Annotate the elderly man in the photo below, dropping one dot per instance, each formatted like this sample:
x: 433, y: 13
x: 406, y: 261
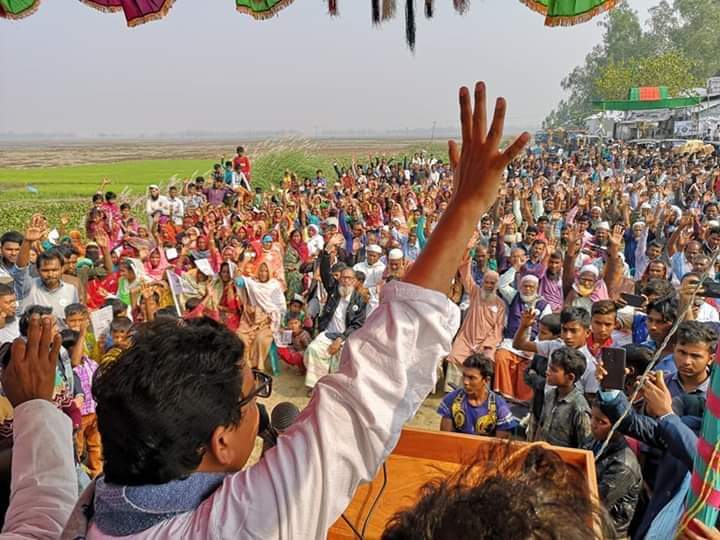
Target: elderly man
x: 373, y: 268
x: 482, y: 329
x: 510, y: 363
x: 343, y: 313
x: 156, y: 202
x: 396, y: 265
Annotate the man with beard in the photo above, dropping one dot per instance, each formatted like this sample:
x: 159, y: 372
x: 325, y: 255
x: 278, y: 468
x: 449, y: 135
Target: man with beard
x: 373, y: 269
x: 482, y: 329
x: 49, y: 289
x: 9, y: 328
x: 156, y: 202
x: 510, y: 363
x: 551, y: 282
x: 344, y: 312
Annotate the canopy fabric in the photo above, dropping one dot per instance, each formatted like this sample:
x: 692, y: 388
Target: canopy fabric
x: 261, y: 9
x: 136, y: 11
x: 569, y: 12
x: 17, y: 9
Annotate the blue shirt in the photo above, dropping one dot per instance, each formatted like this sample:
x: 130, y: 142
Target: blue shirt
x: 666, y: 363
x: 503, y: 421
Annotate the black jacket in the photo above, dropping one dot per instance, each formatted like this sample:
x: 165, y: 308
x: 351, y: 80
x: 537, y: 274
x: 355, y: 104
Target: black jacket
x: 355, y: 315
x: 619, y: 482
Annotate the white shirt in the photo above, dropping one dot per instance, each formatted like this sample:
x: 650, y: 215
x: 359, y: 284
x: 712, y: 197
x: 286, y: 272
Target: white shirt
x: 44, y: 482
x: 373, y: 274
x: 9, y: 332
x: 57, y: 299
x: 176, y: 209
x: 707, y: 313
x: 161, y: 203
x: 351, y: 425
x: 337, y: 323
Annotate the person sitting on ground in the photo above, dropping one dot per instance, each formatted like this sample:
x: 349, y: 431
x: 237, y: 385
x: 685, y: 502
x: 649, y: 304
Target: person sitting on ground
x: 475, y: 409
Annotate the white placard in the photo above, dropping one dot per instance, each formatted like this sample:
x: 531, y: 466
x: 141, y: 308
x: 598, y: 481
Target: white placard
x: 204, y: 266
x: 100, y: 320
x: 171, y: 254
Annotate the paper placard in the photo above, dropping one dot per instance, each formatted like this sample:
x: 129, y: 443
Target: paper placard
x: 100, y: 320
x: 171, y: 254
x: 204, y: 266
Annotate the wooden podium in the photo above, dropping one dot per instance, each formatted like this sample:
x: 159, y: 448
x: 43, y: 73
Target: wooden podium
x: 419, y: 457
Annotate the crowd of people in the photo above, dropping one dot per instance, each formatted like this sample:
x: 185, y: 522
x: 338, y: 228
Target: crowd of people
x: 606, y: 247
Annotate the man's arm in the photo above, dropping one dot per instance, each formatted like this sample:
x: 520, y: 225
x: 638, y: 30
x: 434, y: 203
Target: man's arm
x: 328, y: 281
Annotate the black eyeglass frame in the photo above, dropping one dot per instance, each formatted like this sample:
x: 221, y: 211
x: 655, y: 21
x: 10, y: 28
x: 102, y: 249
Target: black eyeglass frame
x: 263, y: 387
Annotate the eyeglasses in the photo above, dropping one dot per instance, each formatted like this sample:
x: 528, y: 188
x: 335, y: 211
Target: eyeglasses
x: 263, y: 388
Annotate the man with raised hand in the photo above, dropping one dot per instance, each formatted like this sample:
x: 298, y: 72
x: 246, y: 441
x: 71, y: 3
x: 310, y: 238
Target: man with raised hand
x: 174, y: 459
x: 43, y: 488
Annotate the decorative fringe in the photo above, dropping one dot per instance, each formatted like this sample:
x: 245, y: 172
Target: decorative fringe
x: 376, y: 11
x: 388, y: 9
x: 21, y: 15
x: 410, y: 23
x: 429, y: 9
x: 332, y: 8
x: 462, y: 6
x: 102, y: 7
x: 551, y: 20
x: 267, y: 14
x: 152, y: 16
x: 581, y: 18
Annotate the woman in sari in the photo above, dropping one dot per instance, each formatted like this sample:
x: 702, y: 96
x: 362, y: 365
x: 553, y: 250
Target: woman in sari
x: 264, y: 309
x: 230, y: 306
x: 296, y: 254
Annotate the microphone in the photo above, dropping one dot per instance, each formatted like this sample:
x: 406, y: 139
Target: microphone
x: 282, y: 417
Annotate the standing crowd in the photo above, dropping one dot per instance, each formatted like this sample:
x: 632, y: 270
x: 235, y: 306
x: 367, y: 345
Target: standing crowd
x: 605, y: 247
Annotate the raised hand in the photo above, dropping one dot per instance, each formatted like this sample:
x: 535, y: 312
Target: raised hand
x: 528, y: 317
x: 31, y: 371
x: 37, y: 229
x: 479, y: 165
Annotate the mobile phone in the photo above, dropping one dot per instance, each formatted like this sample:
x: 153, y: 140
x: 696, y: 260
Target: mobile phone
x: 5, y: 354
x: 633, y: 300
x: 614, y: 361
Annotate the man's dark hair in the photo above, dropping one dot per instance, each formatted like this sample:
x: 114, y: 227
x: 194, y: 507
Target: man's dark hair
x: 667, y: 307
x: 160, y: 402
x: 603, y: 307
x: 714, y: 230
x: 24, y: 321
x: 570, y: 361
x: 531, y: 229
x: 573, y: 314
x: 654, y: 244
x: 120, y: 324
x: 168, y: 312
x: 118, y: 306
x: 75, y: 309
x: 125, y: 205
x: 50, y: 255
x: 11, y: 236
x: 192, y: 303
x: 552, y: 323
x: 696, y: 333
x: 658, y: 287
x: 638, y: 358
x: 504, y: 494
x: 480, y: 362
x: 110, y: 195
x: 97, y: 197
x: 6, y: 289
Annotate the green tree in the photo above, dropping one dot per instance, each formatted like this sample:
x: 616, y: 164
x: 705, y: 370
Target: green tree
x: 672, y: 69
x: 680, y: 45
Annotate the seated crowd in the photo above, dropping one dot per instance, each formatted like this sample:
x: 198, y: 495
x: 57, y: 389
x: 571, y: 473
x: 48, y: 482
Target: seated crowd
x: 607, y: 247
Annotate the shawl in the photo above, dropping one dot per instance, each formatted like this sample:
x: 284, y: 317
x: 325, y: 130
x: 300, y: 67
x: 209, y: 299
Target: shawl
x: 270, y: 298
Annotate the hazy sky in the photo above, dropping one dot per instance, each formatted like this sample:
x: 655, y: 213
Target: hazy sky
x: 70, y: 68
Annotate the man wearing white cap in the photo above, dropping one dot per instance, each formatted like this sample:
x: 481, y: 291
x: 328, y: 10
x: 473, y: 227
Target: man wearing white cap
x: 510, y: 363
x: 156, y: 202
x: 396, y: 265
x: 373, y: 268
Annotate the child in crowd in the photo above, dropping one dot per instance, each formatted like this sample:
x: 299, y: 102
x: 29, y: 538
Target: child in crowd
x: 87, y: 436
x: 565, y: 419
x: 548, y: 330
x: 296, y: 308
x: 618, y: 472
x: 120, y: 334
x: 77, y: 318
x: 293, y: 353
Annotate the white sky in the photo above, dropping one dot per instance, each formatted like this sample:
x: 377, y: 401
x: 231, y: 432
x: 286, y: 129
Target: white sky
x: 70, y: 68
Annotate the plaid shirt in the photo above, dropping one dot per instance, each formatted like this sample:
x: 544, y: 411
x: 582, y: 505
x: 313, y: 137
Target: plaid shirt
x: 85, y: 372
